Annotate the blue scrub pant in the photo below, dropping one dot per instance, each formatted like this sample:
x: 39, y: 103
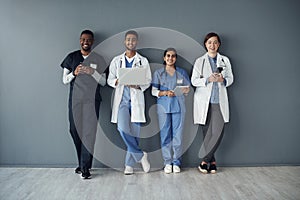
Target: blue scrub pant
x: 130, y: 133
x: 171, y: 128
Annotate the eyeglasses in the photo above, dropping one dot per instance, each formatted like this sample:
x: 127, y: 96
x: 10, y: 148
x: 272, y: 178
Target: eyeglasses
x: 171, y: 55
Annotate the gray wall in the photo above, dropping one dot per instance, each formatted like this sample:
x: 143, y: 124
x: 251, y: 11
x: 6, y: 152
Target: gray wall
x: 260, y: 37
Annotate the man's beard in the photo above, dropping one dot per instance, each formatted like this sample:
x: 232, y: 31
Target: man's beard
x: 86, y: 48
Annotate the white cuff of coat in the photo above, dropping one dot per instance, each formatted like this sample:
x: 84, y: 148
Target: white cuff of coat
x: 155, y: 91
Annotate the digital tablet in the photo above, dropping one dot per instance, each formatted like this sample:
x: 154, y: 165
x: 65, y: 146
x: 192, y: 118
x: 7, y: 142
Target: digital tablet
x: 178, y: 90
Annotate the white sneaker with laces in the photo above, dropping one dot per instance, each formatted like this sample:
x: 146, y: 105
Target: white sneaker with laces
x: 145, y: 163
x: 128, y: 170
x: 176, y: 169
x: 168, y: 169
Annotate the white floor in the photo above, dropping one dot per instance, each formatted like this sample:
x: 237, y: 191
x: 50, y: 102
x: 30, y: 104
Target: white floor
x: 229, y: 183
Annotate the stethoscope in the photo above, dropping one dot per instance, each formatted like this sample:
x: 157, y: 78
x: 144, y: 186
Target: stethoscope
x: 220, y: 68
x: 135, y: 65
x: 165, y: 74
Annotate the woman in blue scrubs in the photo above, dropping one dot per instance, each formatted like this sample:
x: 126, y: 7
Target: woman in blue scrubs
x: 170, y: 84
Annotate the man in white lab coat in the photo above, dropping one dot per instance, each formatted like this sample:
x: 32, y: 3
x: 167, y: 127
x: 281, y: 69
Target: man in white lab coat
x: 129, y: 104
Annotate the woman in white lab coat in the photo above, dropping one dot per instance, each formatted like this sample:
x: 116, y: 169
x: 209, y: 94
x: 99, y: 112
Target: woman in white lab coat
x: 129, y: 104
x: 212, y: 74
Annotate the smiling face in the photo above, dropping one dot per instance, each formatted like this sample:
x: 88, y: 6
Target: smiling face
x: 212, y: 45
x: 170, y: 58
x: 86, y: 42
x: 130, y: 42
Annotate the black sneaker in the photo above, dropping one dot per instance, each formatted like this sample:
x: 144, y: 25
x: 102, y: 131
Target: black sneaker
x: 86, y: 174
x: 212, y: 168
x: 78, y: 170
x: 203, y: 168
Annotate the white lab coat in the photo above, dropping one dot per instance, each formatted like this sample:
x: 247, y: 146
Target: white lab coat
x: 203, y: 90
x: 137, y: 95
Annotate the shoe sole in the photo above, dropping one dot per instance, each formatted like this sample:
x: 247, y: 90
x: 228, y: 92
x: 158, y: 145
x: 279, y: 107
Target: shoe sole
x: 128, y: 173
x: 213, y: 171
x: 168, y: 169
x: 146, y: 170
x: 77, y: 171
x: 86, y: 176
x: 202, y: 170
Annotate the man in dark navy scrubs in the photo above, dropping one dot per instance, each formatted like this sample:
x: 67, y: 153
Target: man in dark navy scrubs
x: 83, y: 70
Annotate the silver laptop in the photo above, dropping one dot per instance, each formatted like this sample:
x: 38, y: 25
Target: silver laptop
x: 132, y: 76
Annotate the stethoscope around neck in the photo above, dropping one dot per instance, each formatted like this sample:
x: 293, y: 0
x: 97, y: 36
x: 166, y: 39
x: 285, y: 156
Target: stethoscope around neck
x: 165, y: 74
x: 140, y: 62
x: 219, y: 68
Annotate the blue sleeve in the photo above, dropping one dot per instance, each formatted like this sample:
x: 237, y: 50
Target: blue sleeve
x: 225, y: 82
x: 155, y: 80
x: 186, y: 80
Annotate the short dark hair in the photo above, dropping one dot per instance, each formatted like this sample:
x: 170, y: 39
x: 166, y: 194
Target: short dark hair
x: 132, y: 32
x: 88, y: 32
x: 209, y: 35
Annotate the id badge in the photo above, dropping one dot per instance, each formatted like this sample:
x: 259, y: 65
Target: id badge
x: 94, y: 66
x: 179, y: 81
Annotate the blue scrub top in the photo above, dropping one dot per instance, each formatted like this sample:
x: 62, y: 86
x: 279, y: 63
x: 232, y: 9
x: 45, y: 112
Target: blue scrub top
x: 214, y: 97
x: 126, y: 92
x: 163, y: 81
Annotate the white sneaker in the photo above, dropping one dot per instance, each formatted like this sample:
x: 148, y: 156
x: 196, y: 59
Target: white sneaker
x: 128, y: 170
x: 176, y: 169
x: 168, y: 169
x: 145, y: 163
